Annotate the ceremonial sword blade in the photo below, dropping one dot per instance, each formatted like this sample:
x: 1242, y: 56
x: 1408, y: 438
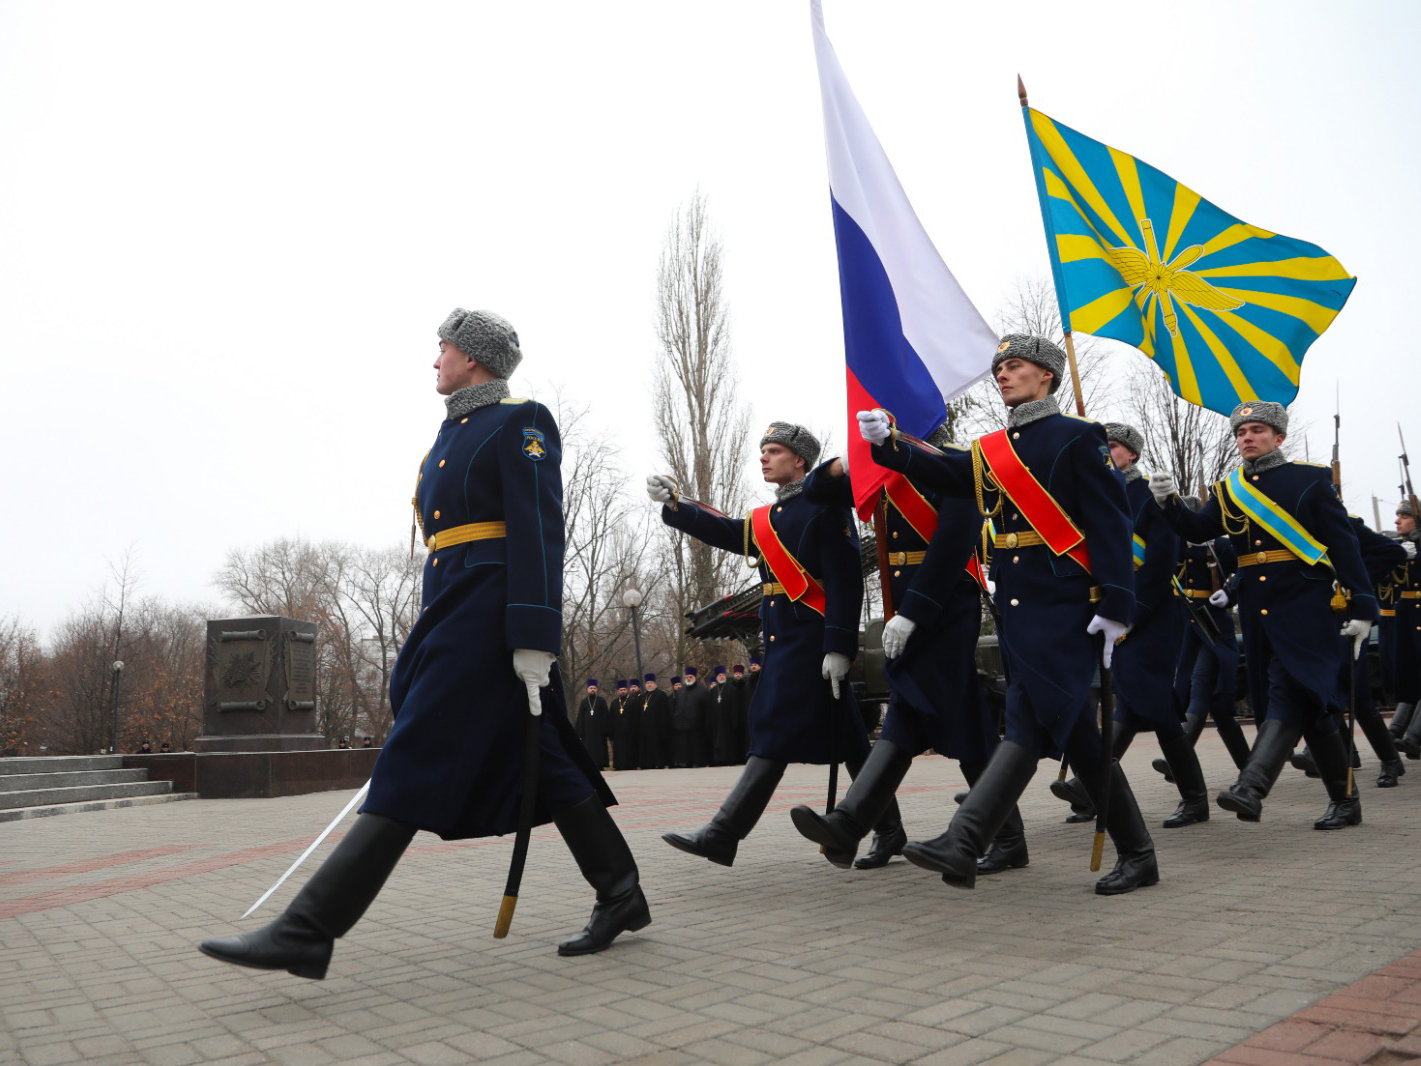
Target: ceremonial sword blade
x: 314, y: 844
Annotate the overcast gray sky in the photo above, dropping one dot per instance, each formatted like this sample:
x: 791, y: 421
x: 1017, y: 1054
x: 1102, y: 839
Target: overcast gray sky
x: 228, y: 232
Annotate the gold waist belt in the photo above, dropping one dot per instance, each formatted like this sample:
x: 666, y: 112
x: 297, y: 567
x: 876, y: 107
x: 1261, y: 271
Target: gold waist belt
x: 906, y: 558
x: 1388, y: 612
x: 1282, y: 555
x: 1029, y: 539
x: 1196, y: 594
x: 1411, y: 595
x: 774, y: 589
x: 447, y: 538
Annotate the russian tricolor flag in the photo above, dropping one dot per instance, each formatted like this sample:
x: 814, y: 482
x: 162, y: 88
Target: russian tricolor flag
x: 912, y: 338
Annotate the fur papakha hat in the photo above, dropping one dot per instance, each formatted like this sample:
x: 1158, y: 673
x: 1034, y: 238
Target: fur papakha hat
x: 1265, y: 411
x: 1126, y: 435
x: 796, y: 438
x: 486, y: 337
x: 1036, y: 350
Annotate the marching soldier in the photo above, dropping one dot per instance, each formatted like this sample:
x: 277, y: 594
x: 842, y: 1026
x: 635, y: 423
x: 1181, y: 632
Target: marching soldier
x: 655, y: 726
x: 1405, y: 649
x: 809, y: 613
x: 594, y: 725
x: 1143, y: 678
x: 489, y: 502
x: 1292, y: 537
x: 1208, y: 661
x: 935, y: 700
x: 1063, y: 574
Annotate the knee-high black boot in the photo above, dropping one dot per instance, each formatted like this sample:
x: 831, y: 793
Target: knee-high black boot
x: 986, y: 809
x: 606, y: 862
x: 1410, y: 742
x: 1400, y: 719
x: 1007, y: 851
x: 1245, y: 797
x: 1193, y: 730
x: 302, y: 939
x: 1075, y: 792
x: 1382, y: 742
x: 1135, y: 865
x: 1189, y: 777
x: 1231, y: 733
x: 868, y: 804
x: 718, y: 839
x: 1344, y: 807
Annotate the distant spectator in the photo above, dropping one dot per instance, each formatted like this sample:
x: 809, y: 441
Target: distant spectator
x: 145, y: 748
x: 164, y: 748
x: 343, y: 743
x: 368, y: 742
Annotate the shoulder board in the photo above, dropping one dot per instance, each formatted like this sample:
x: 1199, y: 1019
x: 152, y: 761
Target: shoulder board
x: 1317, y: 466
x: 1080, y: 418
x: 947, y: 446
x: 515, y: 400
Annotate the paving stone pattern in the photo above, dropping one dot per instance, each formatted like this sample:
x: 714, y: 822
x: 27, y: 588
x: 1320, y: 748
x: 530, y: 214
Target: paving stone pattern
x: 1263, y: 943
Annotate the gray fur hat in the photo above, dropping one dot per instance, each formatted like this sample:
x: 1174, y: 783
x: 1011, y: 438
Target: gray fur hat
x: 796, y: 438
x: 1126, y: 435
x: 486, y: 337
x: 1265, y: 411
x: 1405, y: 508
x: 1036, y: 350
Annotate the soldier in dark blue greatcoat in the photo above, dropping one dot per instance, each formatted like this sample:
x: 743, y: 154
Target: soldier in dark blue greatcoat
x: 1401, y: 648
x: 809, y: 614
x: 1293, y: 540
x: 1062, y: 567
x: 489, y: 502
x: 1144, y: 662
x: 935, y: 701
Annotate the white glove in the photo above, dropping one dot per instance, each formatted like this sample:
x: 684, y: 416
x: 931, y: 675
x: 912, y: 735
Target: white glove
x: 1114, y: 632
x: 836, y: 668
x: 1358, y: 629
x: 660, y: 488
x: 1407, y: 546
x: 1219, y: 599
x: 874, y: 425
x: 895, y: 635
x: 533, y: 666
x: 1162, y: 487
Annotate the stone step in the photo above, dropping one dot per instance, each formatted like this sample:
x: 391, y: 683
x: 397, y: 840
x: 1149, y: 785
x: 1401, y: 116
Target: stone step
x: 20, y: 813
x: 48, y: 797
x: 52, y: 764
x: 67, y: 779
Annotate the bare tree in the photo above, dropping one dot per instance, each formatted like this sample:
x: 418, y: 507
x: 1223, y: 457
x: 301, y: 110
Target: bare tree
x: 23, y: 688
x: 1192, y: 443
x: 703, y: 428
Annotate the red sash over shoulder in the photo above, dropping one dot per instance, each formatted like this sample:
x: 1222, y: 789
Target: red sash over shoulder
x: 1037, y: 505
x: 798, y: 583
x: 922, y: 516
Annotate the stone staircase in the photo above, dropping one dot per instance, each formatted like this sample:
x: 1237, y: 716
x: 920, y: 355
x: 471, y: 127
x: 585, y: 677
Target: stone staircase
x: 68, y: 784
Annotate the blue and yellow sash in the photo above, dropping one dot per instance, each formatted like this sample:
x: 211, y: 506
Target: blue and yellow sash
x: 1278, y: 522
x: 1139, y: 547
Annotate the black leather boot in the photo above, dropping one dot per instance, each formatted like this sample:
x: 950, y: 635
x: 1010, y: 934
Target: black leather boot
x: 1382, y: 742
x: 1231, y: 733
x: 1303, y: 760
x: 1007, y: 851
x: 1193, y: 730
x: 1410, y: 742
x: 986, y: 809
x: 301, y: 940
x: 868, y: 803
x: 1193, y: 796
x: 1345, y: 807
x: 1400, y: 719
x: 607, y: 864
x: 1135, y: 864
x: 1073, y: 792
x: 1271, y: 749
x: 718, y: 839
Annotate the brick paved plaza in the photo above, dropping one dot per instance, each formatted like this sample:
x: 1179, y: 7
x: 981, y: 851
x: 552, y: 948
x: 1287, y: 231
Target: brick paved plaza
x: 781, y: 959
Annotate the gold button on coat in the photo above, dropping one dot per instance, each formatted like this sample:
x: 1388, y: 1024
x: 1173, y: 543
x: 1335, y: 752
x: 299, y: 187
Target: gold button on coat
x: 1264, y: 611
x: 434, y: 561
x: 1015, y: 602
x: 441, y: 462
x: 436, y: 514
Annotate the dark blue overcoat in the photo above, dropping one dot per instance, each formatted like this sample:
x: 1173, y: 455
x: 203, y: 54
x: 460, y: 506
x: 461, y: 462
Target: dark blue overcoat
x: 453, y: 762
x: 1197, y: 574
x: 1285, y: 607
x: 792, y: 707
x: 935, y: 700
x: 1144, y: 661
x: 1045, y: 599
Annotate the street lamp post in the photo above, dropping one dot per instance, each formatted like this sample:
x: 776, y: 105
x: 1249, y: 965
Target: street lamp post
x: 632, y: 597
x: 117, y: 678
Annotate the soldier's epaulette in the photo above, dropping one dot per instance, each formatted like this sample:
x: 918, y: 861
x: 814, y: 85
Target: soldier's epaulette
x: 514, y: 399
x: 948, y: 446
x: 1080, y: 418
x: 1320, y: 466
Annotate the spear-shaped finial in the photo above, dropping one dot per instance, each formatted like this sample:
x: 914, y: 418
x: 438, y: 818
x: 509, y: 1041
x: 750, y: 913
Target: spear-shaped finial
x: 1021, y: 90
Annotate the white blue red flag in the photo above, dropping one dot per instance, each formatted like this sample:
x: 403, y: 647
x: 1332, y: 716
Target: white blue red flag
x: 912, y: 338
